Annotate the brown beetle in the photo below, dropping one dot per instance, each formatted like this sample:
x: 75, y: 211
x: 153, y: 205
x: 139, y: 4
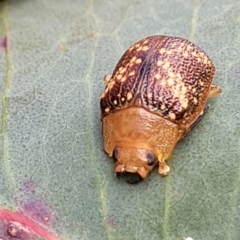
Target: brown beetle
x: 155, y: 96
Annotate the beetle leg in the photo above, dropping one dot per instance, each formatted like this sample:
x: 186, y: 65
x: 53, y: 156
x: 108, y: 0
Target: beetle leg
x: 183, y: 132
x: 198, y: 120
x: 107, y: 78
x: 163, y: 168
x: 214, y: 91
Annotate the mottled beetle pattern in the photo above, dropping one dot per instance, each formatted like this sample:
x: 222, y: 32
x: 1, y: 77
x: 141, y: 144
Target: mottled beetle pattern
x: 155, y: 96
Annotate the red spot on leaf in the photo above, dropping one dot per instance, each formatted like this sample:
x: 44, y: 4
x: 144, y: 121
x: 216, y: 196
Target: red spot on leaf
x: 111, y: 221
x: 4, y: 43
x: 17, y: 230
x: 20, y: 225
x: 29, y: 187
x: 238, y: 72
x: 39, y: 211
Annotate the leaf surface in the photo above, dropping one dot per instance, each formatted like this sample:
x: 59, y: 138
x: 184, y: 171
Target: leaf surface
x: 53, y: 57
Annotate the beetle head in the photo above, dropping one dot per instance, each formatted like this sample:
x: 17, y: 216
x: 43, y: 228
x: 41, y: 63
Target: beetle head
x: 134, y: 163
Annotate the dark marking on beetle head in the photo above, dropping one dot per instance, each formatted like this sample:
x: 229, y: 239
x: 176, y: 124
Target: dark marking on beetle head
x: 131, y: 178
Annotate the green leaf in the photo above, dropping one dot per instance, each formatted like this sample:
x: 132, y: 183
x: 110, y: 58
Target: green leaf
x: 53, y: 57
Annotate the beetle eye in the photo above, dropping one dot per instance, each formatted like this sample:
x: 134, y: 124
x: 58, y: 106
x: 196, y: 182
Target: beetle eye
x: 115, y: 153
x: 151, y: 158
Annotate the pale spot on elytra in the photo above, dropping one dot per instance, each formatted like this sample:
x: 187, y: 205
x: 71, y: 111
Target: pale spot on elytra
x: 163, y: 106
x: 157, y: 76
x: 110, y: 85
x: 189, y: 48
x: 159, y: 63
x: 195, y: 101
x: 123, y: 79
x: 184, y: 89
x: 149, y: 95
x: 162, y: 50
x: 107, y: 110
x: 171, y: 74
x: 138, y: 61
x: 132, y: 73
x: 133, y: 59
x: 119, y: 77
x: 129, y: 96
x: 166, y: 65
x: 123, y: 70
x: 170, y: 82
x: 184, y: 103
x: 145, y: 48
x: 146, y: 41
x: 172, y: 116
x: 194, y: 53
x: 185, y: 54
x: 131, y: 48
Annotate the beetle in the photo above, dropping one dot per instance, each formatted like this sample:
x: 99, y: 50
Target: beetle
x: 155, y: 96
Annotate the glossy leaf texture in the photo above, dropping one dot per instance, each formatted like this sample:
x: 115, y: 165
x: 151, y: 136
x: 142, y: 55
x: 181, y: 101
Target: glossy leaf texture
x: 56, y: 182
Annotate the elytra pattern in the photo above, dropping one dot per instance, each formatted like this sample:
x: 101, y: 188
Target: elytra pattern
x: 165, y: 75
